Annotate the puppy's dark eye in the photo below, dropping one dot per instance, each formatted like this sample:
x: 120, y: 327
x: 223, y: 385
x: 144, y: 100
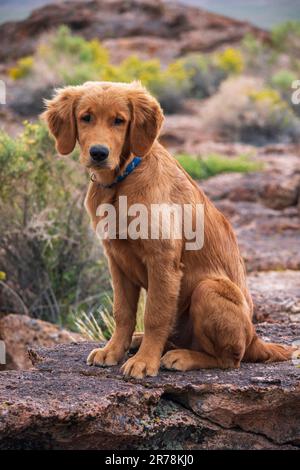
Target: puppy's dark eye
x: 118, y: 121
x: 86, y: 117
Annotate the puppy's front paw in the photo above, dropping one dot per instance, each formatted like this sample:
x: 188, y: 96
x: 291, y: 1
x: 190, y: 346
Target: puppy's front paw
x: 139, y: 367
x: 104, y: 357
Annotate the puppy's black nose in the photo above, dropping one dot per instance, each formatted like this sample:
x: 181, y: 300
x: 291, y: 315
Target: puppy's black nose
x: 99, y: 153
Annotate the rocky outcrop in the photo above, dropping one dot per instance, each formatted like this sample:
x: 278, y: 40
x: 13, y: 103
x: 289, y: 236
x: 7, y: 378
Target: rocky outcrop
x: 268, y: 239
x: 21, y: 332
x: 263, y: 208
x: 64, y: 404
x: 273, y: 189
x: 138, y: 21
x: 276, y: 295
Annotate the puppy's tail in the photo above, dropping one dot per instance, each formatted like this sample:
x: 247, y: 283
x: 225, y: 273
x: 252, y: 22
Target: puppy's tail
x: 260, y: 351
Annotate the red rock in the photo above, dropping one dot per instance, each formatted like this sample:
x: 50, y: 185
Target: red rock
x: 193, y: 28
x: 64, y: 404
x: 268, y: 239
x: 277, y: 191
x: 276, y: 295
x: 21, y: 332
x: 263, y: 208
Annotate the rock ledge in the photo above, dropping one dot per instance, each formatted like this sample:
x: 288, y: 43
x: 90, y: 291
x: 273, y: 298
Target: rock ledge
x: 63, y: 404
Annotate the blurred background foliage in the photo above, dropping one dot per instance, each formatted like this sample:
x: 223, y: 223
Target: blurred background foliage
x: 63, y: 58
x: 49, y: 256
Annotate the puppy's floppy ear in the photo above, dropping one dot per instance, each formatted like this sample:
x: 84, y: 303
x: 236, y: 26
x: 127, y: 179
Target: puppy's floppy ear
x: 147, y: 119
x: 60, y: 117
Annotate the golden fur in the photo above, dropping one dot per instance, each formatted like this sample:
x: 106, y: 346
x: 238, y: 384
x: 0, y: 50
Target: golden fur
x: 198, y: 310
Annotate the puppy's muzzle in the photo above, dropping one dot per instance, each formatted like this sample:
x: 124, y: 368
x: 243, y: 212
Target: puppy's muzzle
x: 99, y: 153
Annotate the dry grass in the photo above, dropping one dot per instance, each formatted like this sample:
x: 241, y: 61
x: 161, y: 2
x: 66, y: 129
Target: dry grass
x: 101, y: 325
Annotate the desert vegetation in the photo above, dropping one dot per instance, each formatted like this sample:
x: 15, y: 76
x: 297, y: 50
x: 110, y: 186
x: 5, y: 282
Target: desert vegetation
x: 47, y: 251
x: 263, y: 107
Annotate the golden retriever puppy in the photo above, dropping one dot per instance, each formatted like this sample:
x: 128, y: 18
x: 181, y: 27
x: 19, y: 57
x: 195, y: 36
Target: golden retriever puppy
x: 198, y: 311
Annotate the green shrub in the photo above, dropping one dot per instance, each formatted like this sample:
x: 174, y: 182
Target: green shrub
x: 22, y: 69
x: 91, y: 52
x: 230, y: 61
x: 286, y: 35
x: 251, y: 44
x: 191, y: 165
x: 267, y: 96
x: 26, y: 160
x: 214, y: 164
x: 259, y: 58
x: 283, y: 80
x: 275, y: 117
x: 245, y: 111
x: 46, y: 248
x: 205, y: 76
x: 206, y: 72
x: 170, y: 85
x: 72, y: 60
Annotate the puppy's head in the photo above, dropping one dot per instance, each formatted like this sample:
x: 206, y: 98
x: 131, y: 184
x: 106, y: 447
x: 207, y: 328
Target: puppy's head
x: 109, y: 120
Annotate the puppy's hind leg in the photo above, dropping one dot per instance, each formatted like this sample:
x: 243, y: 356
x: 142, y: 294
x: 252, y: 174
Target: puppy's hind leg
x: 221, y: 328
x: 186, y: 359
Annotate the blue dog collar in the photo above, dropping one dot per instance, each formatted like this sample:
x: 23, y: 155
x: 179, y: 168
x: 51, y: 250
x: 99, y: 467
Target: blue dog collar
x: 129, y: 169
